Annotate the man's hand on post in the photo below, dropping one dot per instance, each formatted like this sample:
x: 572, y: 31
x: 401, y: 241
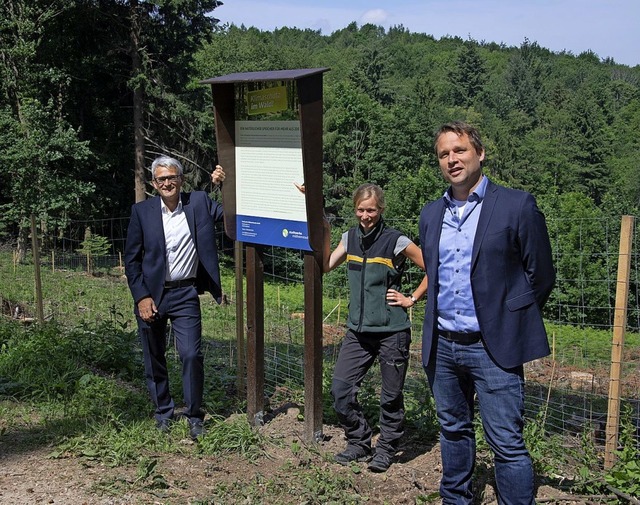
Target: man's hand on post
x: 218, y: 175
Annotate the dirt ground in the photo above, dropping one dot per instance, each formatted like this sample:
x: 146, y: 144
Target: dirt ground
x: 29, y: 476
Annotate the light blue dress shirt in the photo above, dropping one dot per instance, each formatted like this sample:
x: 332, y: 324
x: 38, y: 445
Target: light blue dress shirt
x: 456, y: 310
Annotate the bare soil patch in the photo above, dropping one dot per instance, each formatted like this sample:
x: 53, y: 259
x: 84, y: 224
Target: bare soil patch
x: 29, y: 476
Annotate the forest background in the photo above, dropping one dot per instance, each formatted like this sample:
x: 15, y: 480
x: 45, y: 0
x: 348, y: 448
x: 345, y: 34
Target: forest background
x: 92, y: 91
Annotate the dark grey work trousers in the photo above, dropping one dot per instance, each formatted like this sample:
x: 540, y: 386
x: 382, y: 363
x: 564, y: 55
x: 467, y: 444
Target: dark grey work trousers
x: 357, y: 354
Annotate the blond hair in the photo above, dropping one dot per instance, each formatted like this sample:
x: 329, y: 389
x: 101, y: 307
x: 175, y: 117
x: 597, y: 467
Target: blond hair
x: 366, y: 191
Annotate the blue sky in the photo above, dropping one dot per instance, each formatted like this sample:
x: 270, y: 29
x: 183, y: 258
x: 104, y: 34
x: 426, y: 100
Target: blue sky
x: 609, y: 28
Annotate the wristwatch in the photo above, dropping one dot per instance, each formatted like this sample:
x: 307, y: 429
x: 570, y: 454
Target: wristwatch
x: 414, y: 299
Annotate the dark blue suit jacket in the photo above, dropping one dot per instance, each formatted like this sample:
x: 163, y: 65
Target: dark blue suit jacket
x: 512, y: 275
x: 145, y: 251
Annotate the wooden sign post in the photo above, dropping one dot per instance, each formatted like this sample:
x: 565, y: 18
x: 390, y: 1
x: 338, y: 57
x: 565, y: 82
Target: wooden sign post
x: 269, y: 139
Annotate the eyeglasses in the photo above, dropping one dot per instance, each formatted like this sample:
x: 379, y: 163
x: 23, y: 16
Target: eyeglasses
x: 168, y: 178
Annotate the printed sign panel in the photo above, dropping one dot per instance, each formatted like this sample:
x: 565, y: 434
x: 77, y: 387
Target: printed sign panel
x: 270, y: 209
x: 267, y: 100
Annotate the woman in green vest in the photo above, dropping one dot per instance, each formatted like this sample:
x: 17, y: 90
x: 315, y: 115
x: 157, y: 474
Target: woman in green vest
x: 378, y: 327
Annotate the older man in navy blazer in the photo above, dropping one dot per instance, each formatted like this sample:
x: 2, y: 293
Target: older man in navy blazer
x: 488, y: 259
x: 171, y: 257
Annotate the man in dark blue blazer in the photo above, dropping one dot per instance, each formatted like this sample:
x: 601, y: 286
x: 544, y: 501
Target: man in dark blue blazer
x: 171, y: 257
x: 488, y: 260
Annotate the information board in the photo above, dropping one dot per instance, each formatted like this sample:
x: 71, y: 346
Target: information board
x: 270, y: 208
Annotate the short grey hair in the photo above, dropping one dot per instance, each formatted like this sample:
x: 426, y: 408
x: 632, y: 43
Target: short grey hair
x: 166, y: 162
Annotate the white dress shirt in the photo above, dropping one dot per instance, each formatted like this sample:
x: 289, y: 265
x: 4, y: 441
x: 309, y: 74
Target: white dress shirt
x: 182, y: 257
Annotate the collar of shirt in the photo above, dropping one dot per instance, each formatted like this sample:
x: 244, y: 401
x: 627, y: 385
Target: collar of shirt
x: 165, y: 209
x: 476, y: 196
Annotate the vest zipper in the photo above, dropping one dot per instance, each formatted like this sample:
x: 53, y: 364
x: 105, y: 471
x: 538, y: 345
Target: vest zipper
x: 362, y: 277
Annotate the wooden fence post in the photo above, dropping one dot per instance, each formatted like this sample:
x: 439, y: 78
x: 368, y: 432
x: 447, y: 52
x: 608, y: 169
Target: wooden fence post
x: 617, y: 345
x: 36, y: 268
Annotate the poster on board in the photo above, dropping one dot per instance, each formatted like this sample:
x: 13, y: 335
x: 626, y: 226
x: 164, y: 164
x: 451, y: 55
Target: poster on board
x: 270, y: 207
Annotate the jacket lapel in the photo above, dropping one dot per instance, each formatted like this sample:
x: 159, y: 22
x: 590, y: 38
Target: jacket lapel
x: 488, y: 205
x: 189, y: 212
x: 432, y: 236
x: 157, y: 228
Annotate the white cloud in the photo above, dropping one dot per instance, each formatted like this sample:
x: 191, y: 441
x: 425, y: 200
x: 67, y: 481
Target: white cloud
x: 375, y: 16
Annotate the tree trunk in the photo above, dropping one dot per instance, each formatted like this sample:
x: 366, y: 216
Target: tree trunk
x: 23, y: 237
x: 138, y: 99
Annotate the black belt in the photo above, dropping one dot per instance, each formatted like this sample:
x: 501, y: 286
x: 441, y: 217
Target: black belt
x: 461, y: 338
x: 182, y: 283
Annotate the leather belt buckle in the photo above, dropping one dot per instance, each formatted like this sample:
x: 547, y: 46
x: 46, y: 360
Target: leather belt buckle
x: 459, y: 337
x: 182, y: 283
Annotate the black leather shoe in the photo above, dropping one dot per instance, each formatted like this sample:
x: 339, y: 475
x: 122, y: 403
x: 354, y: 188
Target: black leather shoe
x: 164, y: 425
x: 380, y: 463
x: 352, y: 453
x: 196, y: 428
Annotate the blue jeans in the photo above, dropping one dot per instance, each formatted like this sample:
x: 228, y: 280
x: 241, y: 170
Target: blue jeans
x: 456, y: 373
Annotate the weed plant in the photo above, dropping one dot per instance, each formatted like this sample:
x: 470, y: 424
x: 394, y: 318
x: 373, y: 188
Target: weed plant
x: 547, y: 451
x: 47, y: 361
x: 625, y: 475
x: 116, y: 443
x: 232, y: 436
x: 308, y: 485
x: 146, y: 478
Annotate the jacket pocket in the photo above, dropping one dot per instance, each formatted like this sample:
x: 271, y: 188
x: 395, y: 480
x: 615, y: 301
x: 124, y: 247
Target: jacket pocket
x: 521, y: 301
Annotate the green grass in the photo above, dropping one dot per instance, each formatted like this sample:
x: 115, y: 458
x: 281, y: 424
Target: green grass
x: 309, y: 485
x: 586, y: 347
x: 232, y: 436
x: 76, y: 384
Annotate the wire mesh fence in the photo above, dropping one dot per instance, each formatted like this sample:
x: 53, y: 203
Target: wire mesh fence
x: 569, y: 388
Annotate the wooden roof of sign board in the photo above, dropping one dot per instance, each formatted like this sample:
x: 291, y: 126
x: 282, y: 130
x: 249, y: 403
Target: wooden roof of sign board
x: 269, y: 75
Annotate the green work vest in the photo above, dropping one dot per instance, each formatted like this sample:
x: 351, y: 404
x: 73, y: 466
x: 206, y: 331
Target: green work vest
x: 372, y: 269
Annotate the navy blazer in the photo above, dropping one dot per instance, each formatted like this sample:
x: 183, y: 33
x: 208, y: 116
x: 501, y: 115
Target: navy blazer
x: 145, y: 249
x: 512, y: 275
